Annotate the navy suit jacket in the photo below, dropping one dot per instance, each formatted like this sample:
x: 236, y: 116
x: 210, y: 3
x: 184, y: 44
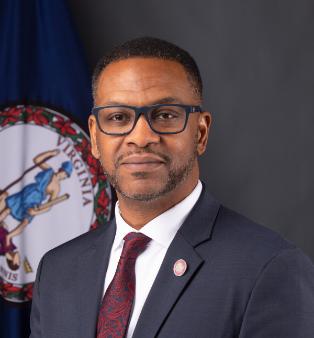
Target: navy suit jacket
x: 243, y: 280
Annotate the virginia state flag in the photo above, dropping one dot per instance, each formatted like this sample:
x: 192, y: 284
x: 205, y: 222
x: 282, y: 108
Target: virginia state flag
x: 51, y: 188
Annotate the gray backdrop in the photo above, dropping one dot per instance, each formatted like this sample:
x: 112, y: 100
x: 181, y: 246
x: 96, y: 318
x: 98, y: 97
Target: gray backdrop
x: 256, y: 58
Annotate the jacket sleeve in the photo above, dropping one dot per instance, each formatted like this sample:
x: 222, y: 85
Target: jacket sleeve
x: 35, y: 312
x: 281, y: 304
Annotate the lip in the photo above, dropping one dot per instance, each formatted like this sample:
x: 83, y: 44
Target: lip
x: 138, y: 160
x: 142, y: 163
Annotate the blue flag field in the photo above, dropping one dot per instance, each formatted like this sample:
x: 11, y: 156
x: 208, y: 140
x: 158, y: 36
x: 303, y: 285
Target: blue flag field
x: 51, y: 188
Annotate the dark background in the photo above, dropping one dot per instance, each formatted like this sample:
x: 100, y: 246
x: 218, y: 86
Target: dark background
x: 256, y: 59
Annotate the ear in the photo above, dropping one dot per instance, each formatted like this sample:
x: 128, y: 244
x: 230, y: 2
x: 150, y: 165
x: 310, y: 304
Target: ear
x: 92, y: 125
x: 204, y: 123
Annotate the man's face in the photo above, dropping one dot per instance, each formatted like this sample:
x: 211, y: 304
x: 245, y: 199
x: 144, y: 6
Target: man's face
x: 144, y: 165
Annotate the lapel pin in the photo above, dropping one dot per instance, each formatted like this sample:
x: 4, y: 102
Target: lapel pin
x: 180, y: 267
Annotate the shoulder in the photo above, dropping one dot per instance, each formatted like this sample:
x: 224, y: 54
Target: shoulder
x: 66, y: 252
x: 233, y: 233
x: 246, y: 247
x: 245, y: 255
x: 237, y: 243
x: 44, y: 175
x: 237, y: 228
x: 45, y: 172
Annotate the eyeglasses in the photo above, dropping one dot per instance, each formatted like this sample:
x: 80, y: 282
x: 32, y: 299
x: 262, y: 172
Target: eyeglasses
x: 162, y: 118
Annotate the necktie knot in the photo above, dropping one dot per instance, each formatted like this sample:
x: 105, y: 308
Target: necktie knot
x: 134, y: 244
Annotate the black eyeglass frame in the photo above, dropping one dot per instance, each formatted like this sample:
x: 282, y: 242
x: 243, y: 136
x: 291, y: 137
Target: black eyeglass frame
x: 145, y: 110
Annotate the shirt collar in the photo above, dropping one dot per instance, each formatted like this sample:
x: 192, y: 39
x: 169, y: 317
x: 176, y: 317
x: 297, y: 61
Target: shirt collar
x: 162, y: 228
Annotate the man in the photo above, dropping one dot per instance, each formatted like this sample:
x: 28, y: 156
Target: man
x: 173, y: 262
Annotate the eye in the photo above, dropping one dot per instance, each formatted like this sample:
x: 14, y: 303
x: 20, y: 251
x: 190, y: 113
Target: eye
x: 164, y: 115
x: 119, y: 117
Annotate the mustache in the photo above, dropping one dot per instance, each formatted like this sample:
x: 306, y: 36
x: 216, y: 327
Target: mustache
x: 121, y: 157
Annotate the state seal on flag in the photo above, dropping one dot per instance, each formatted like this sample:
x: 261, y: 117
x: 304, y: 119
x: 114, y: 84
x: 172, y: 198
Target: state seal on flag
x: 51, y: 190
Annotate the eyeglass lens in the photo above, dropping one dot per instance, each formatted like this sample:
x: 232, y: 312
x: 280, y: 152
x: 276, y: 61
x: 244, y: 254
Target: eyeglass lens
x: 120, y: 120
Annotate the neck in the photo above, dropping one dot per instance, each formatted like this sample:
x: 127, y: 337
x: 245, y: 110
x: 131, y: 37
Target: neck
x: 138, y: 213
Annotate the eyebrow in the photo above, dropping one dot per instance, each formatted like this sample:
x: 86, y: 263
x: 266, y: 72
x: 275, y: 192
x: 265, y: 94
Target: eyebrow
x: 168, y: 99
x: 164, y: 100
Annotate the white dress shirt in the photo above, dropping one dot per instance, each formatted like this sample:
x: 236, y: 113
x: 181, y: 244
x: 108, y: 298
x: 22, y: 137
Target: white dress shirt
x: 161, y: 230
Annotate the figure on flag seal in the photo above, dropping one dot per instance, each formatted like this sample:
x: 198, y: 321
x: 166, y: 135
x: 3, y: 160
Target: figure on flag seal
x: 51, y: 190
x: 30, y: 202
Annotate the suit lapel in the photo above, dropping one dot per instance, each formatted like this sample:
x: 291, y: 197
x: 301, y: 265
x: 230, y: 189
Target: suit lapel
x: 93, y: 264
x: 167, y: 287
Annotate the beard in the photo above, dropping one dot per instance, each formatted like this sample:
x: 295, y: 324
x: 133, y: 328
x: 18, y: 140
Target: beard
x: 177, y: 174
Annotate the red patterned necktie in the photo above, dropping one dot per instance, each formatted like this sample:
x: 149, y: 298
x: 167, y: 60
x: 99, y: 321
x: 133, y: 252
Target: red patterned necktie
x: 117, y: 303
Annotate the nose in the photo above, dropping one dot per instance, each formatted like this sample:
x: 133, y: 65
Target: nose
x: 142, y: 135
